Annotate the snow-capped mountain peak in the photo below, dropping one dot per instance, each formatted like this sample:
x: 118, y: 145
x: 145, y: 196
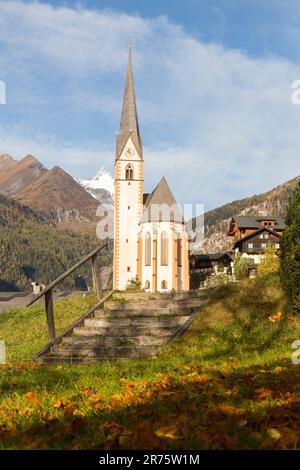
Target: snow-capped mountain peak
x: 101, y: 186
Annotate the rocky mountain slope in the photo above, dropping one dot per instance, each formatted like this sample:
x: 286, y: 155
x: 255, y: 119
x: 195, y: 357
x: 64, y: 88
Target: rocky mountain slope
x: 53, y: 191
x: 216, y: 221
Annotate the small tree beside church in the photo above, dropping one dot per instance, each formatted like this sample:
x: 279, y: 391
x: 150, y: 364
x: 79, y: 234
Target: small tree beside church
x: 290, y: 252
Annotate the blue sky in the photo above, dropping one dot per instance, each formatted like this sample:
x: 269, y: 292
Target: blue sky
x: 213, y: 83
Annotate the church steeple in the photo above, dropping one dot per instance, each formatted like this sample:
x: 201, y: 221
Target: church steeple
x: 129, y: 126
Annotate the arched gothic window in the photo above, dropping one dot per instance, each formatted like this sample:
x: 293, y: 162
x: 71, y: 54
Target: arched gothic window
x: 164, y: 249
x: 147, y: 285
x: 129, y: 172
x: 164, y: 284
x: 148, y: 249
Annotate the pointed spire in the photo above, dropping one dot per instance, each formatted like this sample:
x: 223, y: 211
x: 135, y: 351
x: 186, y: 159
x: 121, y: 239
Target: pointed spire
x: 129, y: 125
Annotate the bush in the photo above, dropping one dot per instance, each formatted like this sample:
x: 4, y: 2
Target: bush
x: 269, y: 262
x: 241, y: 266
x: 290, y: 252
x: 133, y: 285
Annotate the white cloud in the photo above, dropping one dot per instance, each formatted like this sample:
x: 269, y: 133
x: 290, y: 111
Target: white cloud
x: 217, y: 123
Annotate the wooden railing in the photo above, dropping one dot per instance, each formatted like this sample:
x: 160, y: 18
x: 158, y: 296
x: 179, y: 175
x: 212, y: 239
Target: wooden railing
x: 48, y: 291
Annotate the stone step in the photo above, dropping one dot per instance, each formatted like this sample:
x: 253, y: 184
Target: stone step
x: 154, y: 304
x: 163, y: 295
x: 125, y: 331
x: 145, y: 311
x: 46, y: 360
x: 136, y: 322
x: 120, y: 351
x: 113, y: 341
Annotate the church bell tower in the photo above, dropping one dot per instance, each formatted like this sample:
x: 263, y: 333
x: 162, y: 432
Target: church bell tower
x: 128, y: 187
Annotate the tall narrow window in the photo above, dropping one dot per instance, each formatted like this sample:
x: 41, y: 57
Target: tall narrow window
x: 148, y: 249
x: 164, y: 249
x: 129, y: 172
x: 179, y: 247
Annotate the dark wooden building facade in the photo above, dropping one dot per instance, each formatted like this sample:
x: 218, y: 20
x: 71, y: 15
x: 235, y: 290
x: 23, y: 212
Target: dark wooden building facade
x: 252, y: 235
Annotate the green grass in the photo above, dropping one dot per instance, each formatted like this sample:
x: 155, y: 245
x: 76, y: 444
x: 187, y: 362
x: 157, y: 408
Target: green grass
x: 227, y: 383
x: 24, y: 331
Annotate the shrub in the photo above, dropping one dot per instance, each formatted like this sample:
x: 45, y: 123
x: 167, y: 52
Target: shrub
x: 133, y: 285
x: 241, y: 266
x: 290, y: 252
x: 269, y: 262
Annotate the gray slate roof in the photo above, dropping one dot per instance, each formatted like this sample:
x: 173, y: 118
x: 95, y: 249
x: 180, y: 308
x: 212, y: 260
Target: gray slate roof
x: 255, y: 222
x: 129, y: 125
x: 161, y: 206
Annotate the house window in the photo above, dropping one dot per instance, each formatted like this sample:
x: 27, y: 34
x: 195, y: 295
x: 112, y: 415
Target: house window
x: 277, y: 246
x: 129, y: 172
x: 164, y: 284
x: 147, y: 285
x: 164, y: 249
x: 128, y: 269
x: 250, y: 245
x: 261, y: 235
x: 263, y: 245
x: 148, y: 249
x: 179, y: 243
x: 266, y: 235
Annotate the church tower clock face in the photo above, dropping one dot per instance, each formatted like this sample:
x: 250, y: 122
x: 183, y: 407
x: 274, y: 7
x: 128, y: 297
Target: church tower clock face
x: 130, y: 152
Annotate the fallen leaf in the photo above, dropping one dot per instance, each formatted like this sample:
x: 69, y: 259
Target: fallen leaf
x: 276, y: 317
x: 263, y: 392
x: 32, y: 397
x: 229, y: 409
x: 274, y: 434
x: 168, y: 432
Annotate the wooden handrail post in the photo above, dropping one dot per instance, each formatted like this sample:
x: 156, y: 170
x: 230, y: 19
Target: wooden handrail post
x: 96, y: 278
x: 50, y: 314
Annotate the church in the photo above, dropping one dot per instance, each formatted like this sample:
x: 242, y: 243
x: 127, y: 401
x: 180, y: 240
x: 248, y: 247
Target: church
x: 150, y: 239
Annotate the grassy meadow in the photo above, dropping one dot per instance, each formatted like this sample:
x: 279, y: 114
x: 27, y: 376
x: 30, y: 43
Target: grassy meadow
x: 227, y: 383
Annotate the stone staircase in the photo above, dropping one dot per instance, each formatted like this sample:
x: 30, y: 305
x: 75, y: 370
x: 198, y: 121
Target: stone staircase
x: 128, y: 326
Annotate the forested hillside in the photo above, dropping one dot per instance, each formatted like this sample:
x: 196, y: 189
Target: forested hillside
x: 33, y: 249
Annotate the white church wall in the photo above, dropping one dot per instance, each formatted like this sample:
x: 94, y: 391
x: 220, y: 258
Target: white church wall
x: 128, y: 210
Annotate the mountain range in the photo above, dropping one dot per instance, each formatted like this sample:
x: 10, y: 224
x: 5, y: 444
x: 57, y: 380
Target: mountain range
x: 53, y: 192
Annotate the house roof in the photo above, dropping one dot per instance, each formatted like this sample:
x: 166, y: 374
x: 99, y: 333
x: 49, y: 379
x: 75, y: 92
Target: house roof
x: 210, y: 257
x: 253, y: 234
x: 161, y: 206
x: 255, y: 221
x: 129, y: 126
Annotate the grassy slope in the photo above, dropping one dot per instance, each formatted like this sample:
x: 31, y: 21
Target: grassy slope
x: 227, y: 383
x: 24, y: 331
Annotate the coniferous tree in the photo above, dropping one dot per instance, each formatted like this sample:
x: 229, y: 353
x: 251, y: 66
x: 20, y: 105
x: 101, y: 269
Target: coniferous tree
x: 290, y: 252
